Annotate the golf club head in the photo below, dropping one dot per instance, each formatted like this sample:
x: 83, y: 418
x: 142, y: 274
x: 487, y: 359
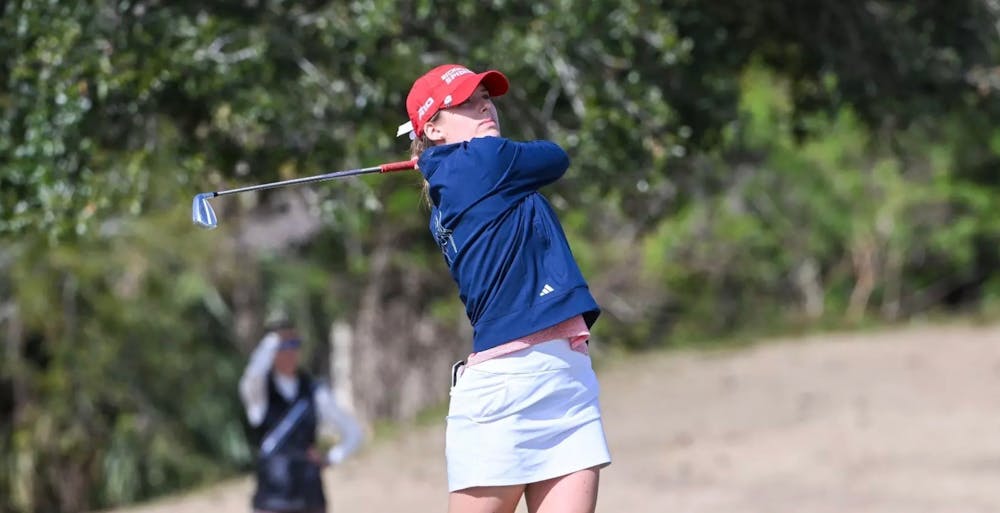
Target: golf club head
x: 202, y: 213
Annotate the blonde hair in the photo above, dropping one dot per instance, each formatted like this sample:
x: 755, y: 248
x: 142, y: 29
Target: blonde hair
x: 417, y: 147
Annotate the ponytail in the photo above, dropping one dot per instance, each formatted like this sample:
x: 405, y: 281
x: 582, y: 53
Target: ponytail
x: 417, y: 148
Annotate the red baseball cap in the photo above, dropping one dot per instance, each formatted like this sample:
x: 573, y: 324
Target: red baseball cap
x: 443, y: 87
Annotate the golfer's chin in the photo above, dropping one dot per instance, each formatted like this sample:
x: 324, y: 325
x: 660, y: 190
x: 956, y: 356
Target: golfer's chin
x: 488, y: 131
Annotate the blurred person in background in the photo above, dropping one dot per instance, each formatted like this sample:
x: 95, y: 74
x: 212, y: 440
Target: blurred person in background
x: 287, y: 410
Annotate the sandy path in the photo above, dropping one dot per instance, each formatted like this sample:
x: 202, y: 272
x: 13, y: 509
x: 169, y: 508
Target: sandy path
x: 904, y: 421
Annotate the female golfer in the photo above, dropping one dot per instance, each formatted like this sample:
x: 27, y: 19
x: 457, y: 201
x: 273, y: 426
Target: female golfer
x: 524, y: 417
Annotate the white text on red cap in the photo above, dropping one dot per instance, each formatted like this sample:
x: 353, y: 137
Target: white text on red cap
x: 454, y: 73
x: 423, y: 108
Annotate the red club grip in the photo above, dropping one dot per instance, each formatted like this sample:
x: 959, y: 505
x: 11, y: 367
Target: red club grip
x: 398, y: 166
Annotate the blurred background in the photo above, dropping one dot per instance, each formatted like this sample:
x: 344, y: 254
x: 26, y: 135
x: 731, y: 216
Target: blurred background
x: 739, y: 169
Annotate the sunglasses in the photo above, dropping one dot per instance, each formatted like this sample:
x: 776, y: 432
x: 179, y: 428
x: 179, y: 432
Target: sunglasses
x: 290, y: 344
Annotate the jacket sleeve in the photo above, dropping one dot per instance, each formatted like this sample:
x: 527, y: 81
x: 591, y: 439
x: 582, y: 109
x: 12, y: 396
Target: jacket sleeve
x: 332, y: 416
x: 253, y: 383
x: 532, y: 164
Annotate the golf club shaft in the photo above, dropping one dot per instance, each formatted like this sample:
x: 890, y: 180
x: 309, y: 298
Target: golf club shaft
x: 383, y: 168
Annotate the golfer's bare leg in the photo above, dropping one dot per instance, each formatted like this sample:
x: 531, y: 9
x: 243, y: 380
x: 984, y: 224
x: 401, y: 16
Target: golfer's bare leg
x: 485, y: 499
x: 572, y: 493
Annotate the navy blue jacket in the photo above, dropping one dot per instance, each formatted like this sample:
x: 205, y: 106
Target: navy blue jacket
x: 501, y: 239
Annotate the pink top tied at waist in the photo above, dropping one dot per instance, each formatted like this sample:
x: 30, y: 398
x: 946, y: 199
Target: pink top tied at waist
x: 573, y: 329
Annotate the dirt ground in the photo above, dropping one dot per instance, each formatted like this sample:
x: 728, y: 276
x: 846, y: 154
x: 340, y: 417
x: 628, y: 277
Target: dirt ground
x: 902, y: 421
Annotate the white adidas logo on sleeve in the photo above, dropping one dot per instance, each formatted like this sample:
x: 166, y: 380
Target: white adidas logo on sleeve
x: 546, y: 289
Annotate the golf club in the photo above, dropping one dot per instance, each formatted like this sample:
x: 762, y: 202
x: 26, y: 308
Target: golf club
x: 203, y: 215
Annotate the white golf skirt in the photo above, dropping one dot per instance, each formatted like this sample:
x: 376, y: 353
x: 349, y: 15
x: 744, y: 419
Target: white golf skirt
x: 525, y: 417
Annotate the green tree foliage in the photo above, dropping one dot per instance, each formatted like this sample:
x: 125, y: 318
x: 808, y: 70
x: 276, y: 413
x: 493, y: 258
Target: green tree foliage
x: 736, y: 165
